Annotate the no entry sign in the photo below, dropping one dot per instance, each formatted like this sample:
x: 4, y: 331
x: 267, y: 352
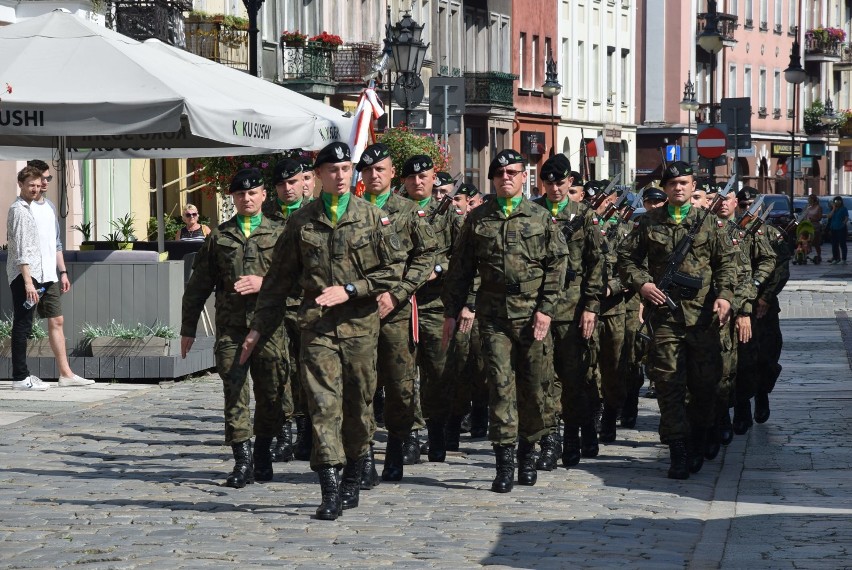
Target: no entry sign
x: 711, y: 142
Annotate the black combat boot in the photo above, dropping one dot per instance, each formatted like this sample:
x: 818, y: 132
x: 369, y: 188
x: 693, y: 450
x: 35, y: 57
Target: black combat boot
x: 479, y: 421
x: 243, y: 473
x: 712, y: 445
x: 696, y: 449
x: 589, y: 440
x: 608, y: 420
x: 571, y: 446
x: 282, y: 450
x: 330, y: 508
x: 505, y: 456
x: 452, y: 433
x: 550, y: 452
x: 630, y: 411
x: 742, y: 417
x: 598, y: 416
x: 350, y: 483
x: 437, y: 443
x: 393, y: 468
x: 679, y: 468
x: 726, y: 430
x: 411, y: 449
x: 527, y: 474
x: 369, y: 476
x: 262, y: 459
x: 379, y: 406
x: 761, y: 407
x: 304, y: 438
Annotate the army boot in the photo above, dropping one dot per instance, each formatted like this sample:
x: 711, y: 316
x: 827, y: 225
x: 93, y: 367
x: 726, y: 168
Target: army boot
x: 262, y: 459
x: 696, y: 450
x: 243, y: 473
x: 282, y: 450
x: 304, y: 438
x: 411, y: 449
x: 479, y: 421
x: 505, y: 457
x: 393, y: 468
x: 527, y: 474
x: 630, y: 411
x: 608, y: 419
x: 452, y: 433
x: 369, y: 476
x: 589, y: 441
x: 350, y: 483
x: 550, y: 451
x: 571, y: 446
x: 712, y: 445
x: 330, y: 508
x: 761, y: 407
x: 679, y: 468
x: 742, y: 417
x: 726, y: 430
x: 437, y: 442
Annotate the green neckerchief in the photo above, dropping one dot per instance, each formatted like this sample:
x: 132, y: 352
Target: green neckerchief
x: 678, y: 213
x: 509, y: 205
x: 612, y: 220
x: 555, y: 207
x: 249, y: 223
x: 378, y: 201
x: 335, y: 206
x: 424, y: 202
x: 287, y: 209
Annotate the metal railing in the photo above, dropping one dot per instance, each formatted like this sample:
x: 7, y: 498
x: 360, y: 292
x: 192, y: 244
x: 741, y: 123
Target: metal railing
x: 145, y: 19
x: 846, y: 54
x: 815, y: 45
x: 218, y: 42
x: 342, y: 64
x: 490, y: 88
x: 727, y: 25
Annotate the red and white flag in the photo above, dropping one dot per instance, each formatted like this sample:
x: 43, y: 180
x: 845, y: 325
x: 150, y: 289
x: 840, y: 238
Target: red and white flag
x: 595, y: 147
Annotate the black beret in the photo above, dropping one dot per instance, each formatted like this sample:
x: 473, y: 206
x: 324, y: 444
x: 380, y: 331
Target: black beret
x: 371, y: 155
x: 443, y: 178
x: 416, y: 164
x: 287, y: 168
x: 654, y: 193
x: 704, y: 184
x: 747, y: 193
x: 676, y: 170
x: 246, y: 179
x: 468, y: 190
x: 333, y: 153
x: 307, y: 162
x: 505, y: 158
x: 578, y: 178
x: 714, y: 187
x: 556, y: 168
x: 592, y: 187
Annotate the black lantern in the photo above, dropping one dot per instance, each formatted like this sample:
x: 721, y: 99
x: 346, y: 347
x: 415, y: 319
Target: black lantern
x: 408, y: 52
x: 551, y: 88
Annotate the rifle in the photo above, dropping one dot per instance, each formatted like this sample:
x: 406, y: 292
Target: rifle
x: 630, y: 208
x: 750, y: 214
x: 444, y: 204
x: 598, y: 199
x: 672, y: 275
x: 761, y: 219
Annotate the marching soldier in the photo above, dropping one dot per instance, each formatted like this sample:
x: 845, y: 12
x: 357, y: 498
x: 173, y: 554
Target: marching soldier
x: 574, y: 319
x: 685, y: 350
x: 343, y: 253
x: 234, y: 261
x: 520, y: 254
x: 443, y: 185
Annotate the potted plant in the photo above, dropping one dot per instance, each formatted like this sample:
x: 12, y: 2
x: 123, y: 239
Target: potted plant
x: 326, y: 41
x: 293, y: 39
x: 124, y: 227
x: 120, y: 340
x: 85, y: 229
x: 37, y: 345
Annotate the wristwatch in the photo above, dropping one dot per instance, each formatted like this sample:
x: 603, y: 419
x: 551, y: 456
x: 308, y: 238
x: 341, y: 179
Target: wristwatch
x: 350, y: 290
x: 63, y: 272
x: 471, y: 307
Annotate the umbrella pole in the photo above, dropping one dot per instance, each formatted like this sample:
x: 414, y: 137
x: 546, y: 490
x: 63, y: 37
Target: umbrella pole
x: 161, y: 229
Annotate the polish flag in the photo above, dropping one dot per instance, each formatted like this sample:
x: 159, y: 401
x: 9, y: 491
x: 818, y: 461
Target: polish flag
x: 595, y: 147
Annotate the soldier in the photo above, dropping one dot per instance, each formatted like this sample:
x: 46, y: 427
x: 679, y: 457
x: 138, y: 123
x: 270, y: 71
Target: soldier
x: 234, y: 261
x: 396, y: 364
x: 574, y: 320
x: 443, y: 185
x: 685, y: 351
x: 462, y: 197
x: 576, y: 193
x: 344, y: 253
x: 309, y: 179
x: 520, y: 254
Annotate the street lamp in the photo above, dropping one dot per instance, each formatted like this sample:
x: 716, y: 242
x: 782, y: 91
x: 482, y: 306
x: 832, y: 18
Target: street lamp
x: 690, y: 105
x: 794, y: 74
x: 829, y: 117
x: 252, y: 8
x: 710, y: 40
x: 551, y: 89
x: 407, y: 55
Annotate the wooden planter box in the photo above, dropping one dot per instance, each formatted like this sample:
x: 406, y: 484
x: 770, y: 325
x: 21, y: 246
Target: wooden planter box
x: 147, y: 346
x: 35, y: 347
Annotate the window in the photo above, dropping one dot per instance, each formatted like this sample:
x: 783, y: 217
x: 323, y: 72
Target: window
x: 534, y: 63
x: 748, y: 13
x: 522, y: 50
x: 566, y: 69
x: 779, y: 12
x: 702, y: 81
x: 596, y: 74
x: 761, y: 89
x: 791, y: 15
x: 776, y: 95
x: 747, y: 81
x: 732, y: 81
x: 764, y: 14
x: 732, y: 7
x: 625, y: 76
x: 610, y: 75
x: 790, y: 94
x: 581, y: 70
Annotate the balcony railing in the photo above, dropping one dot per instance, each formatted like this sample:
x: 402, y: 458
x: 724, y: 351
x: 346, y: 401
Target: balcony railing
x: 846, y: 130
x: 145, y: 19
x: 321, y: 62
x: 820, y: 45
x: 845, y: 54
x: 727, y: 26
x: 489, y: 88
x: 218, y: 42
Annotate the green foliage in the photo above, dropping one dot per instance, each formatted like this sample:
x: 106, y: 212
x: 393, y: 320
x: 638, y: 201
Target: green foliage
x: 114, y: 238
x: 118, y: 330
x: 219, y: 170
x: 39, y: 332
x: 404, y: 144
x: 812, y: 115
x: 173, y: 225
x: 124, y: 226
x: 5, y: 328
x: 85, y: 229
x: 163, y: 331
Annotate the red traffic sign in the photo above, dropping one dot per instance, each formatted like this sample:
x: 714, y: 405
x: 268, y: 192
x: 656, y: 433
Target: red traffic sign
x: 711, y: 142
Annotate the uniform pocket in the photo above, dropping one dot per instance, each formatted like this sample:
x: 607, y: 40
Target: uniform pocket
x: 365, y: 254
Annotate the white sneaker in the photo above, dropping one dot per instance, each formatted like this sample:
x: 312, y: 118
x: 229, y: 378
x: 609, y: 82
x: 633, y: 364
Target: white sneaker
x: 65, y: 381
x: 31, y: 383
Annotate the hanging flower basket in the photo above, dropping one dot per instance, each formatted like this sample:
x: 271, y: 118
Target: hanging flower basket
x: 293, y: 39
x: 325, y: 41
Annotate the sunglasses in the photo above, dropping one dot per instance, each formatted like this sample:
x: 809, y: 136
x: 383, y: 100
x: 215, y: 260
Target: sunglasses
x: 508, y: 173
x: 47, y: 178
x: 190, y: 215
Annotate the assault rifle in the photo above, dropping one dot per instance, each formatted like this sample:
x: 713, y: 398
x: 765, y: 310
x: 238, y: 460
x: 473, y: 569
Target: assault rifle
x: 598, y: 199
x: 672, y: 277
x: 444, y: 204
x: 750, y: 214
x: 759, y: 221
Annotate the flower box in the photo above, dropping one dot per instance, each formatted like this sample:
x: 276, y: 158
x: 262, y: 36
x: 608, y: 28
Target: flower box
x: 35, y: 347
x: 146, y: 346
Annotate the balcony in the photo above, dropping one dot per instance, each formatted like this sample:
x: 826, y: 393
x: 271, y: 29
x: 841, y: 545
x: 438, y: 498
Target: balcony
x: 146, y: 19
x: 845, y: 62
x: 822, y: 46
x: 320, y: 69
x: 727, y: 26
x: 846, y: 130
x: 218, y: 40
x: 489, y: 91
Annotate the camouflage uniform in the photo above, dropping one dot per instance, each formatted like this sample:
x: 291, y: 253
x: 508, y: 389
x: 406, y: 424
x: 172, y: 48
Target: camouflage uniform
x: 521, y: 260
x: 338, y: 349
x: 768, y: 329
x: 685, y: 352
x: 226, y: 256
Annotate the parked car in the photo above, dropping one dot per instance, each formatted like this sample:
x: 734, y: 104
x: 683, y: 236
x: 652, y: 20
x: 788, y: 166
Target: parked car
x: 825, y: 202
x: 780, y: 214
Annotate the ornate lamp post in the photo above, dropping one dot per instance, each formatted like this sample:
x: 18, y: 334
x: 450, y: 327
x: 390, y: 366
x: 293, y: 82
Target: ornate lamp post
x: 407, y: 55
x: 253, y: 7
x: 710, y: 41
x: 690, y: 105
x: 551, y: 88
x: 794, y: 74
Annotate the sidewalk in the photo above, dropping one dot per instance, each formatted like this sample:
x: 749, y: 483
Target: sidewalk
x: 130, y: 476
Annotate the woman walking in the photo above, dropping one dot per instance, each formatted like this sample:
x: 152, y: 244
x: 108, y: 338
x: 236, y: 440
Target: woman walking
x: 837, y: 220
